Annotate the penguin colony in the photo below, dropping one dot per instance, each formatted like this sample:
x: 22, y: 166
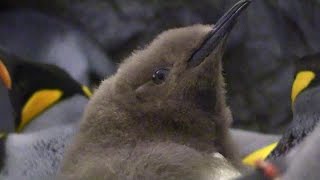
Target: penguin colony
x: 163, y: 115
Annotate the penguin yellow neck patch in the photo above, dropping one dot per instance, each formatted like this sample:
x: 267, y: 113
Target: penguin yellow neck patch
x: 36, y: 104
x: 86, y: 91
x: 259, y: 154
x: 303, y: 79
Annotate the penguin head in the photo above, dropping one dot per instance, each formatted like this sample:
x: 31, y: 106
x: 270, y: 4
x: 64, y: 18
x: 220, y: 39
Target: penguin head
x: 34, y: 87
x: 307, y: 78
x: 172, y: 87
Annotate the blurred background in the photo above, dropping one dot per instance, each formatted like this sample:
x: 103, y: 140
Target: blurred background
x: 90, y: 37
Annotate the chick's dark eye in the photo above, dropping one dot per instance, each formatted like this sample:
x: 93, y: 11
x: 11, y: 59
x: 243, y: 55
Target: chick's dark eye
x: 160, y: 75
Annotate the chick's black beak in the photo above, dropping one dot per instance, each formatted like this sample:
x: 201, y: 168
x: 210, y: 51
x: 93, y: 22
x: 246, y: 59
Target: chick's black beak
x: 5, y: 76
x: 219, y: 32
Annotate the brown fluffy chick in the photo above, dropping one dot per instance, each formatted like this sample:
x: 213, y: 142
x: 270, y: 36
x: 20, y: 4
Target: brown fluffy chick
x: 163, y: 115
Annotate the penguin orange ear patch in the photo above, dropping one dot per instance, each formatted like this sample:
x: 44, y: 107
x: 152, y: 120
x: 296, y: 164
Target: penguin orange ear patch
x: 5, y: 76
x: 302, y: 81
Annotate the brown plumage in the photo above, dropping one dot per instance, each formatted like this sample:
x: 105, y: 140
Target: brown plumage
x: 163, y: 115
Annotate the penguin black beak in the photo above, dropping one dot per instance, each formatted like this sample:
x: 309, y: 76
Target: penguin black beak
x: 5, y: 76
x: 218, y: 34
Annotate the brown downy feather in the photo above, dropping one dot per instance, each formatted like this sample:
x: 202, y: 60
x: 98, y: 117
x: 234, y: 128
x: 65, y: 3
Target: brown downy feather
x: 141, y: 126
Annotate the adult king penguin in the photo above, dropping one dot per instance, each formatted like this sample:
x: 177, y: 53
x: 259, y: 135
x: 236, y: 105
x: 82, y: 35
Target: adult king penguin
x: 35, y: 87
x: 42, y: 38
x: 48, y: 104
x: 305, y: 98
x: 163, y: 115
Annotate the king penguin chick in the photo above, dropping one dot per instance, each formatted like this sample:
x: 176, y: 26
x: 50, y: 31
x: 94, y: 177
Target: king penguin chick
x: 48, y: 105
x: 305, y: 98
x: 163, y: 115
x: 36, y: 88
